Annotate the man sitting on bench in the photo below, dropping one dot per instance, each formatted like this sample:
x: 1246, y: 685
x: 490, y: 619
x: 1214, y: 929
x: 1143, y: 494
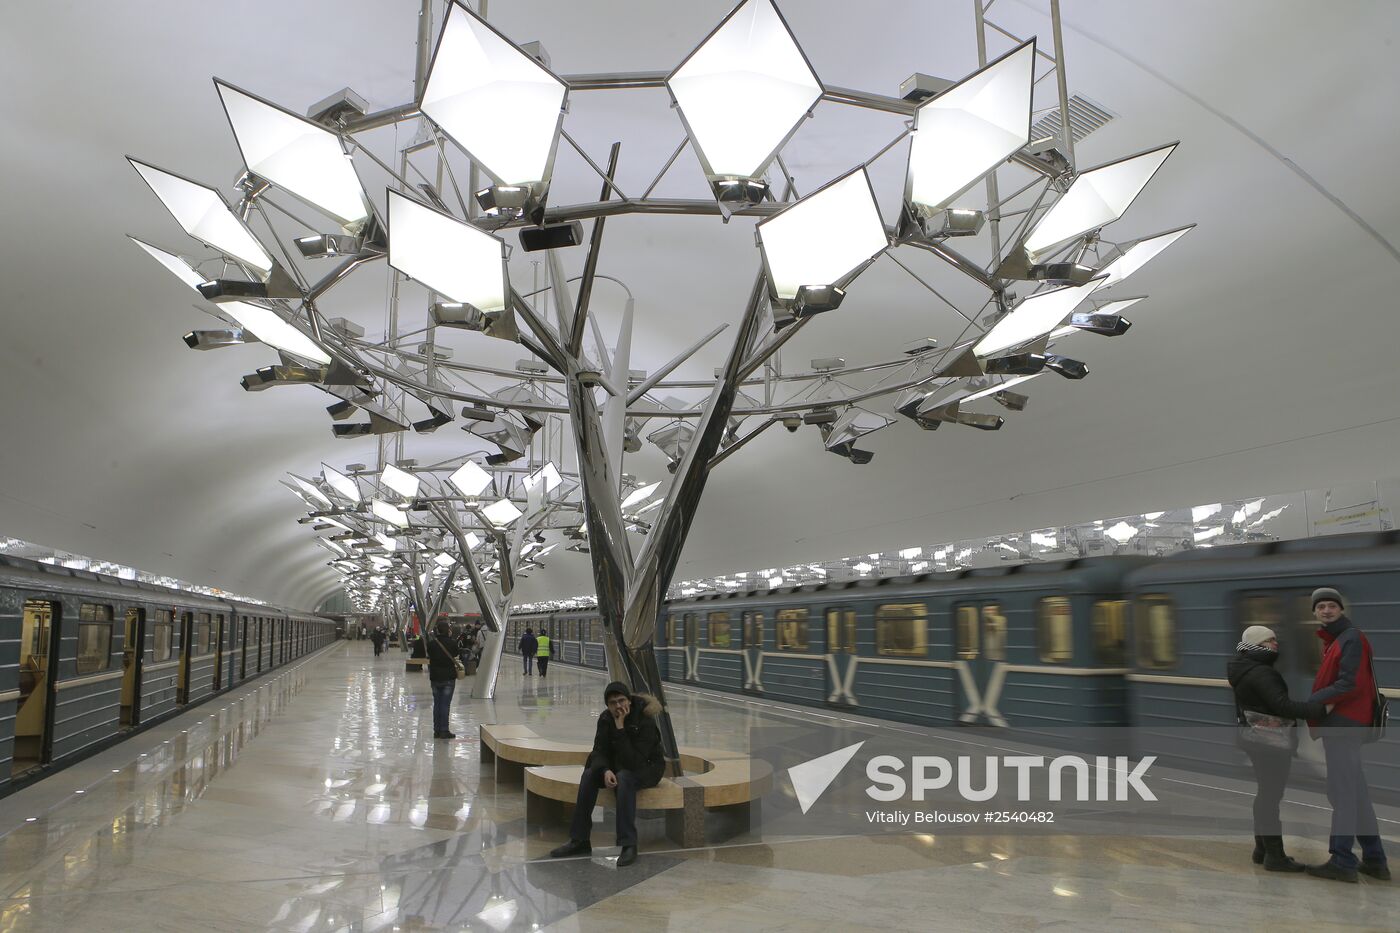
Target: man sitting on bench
x: 626, y: 757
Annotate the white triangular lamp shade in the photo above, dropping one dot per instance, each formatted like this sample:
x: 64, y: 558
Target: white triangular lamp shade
x: 295, y: 154
x: 823, y: 238
x: 263, y: 323
x: 1140, y: 254
x: 1097, y: 197
x: 744, y: 91
x: 970, y: 129
x: 1035, y: 317
x: 203, y: 214
x: 450, y: 257
x: 498, y: 103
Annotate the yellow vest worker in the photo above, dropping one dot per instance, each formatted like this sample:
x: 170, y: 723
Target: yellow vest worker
x: 542, y: 654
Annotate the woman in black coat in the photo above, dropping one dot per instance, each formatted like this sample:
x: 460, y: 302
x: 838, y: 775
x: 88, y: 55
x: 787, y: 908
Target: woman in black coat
x: 442, y: 675
x: 1269, y: 735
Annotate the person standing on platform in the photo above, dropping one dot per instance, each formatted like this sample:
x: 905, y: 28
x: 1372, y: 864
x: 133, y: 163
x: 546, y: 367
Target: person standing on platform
x: 1269, y: 736
x: 527, y: 649
x: 442, y: 675
x: 377, y: 637
x: 626, y: 757
x: 1346, y: 684
x: 542, y: 652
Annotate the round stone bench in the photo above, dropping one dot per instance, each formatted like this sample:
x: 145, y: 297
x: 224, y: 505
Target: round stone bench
x: 719, y: 794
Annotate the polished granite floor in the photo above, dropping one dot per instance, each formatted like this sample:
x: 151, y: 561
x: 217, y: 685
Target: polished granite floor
x: 317, y: 800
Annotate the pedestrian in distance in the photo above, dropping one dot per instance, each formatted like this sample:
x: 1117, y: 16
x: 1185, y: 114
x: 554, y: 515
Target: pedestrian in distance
x: 377, y: 638
x: 442, y: 676
x: 626, y: 758
x: 1268, y: 734
x: 542, y: 652
x: 1346, y: 683
x: 527, y: 648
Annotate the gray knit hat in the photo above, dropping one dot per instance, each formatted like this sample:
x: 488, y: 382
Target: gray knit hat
x: 1324, y: 593
x: 1256, y: 635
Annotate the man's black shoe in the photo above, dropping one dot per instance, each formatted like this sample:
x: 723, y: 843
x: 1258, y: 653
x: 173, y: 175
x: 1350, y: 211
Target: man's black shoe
x: 627, y: 856
x: 1333, y: 872
x: 1378, y: 870
x: 572, y: 847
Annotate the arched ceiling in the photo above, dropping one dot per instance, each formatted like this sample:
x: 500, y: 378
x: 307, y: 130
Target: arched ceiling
x: 1263, y: 362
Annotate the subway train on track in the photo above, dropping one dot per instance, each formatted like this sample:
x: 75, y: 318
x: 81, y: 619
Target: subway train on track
x: 87, y: 659
x: 1040, y: 648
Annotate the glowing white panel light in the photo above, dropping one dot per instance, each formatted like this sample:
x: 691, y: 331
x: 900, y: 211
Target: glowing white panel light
x: 312, y: 491
x: 744, y: 90
x: 638, y: 496
x: 470, y: 480
x: 1153, y: 516
x: 472, y: 541
x: 910, y: 553
x: 391, y: 544
x: 501, y: 512
x: 1098, y: 196
x: 203, y: 214
x: 341, y: 483
x: 824, y: 237
x: 1140, y: 254
x: 970, y: 129
x: 1032, y: 318
x: 295, y: 154
x: 1045, y: 539
x: 465, y: 264
x: 444, y: 560
x: 497, y: 102
x: 329, y: 520
x: 1122, y: 532
x: 262, y: 323
x: 1209, y: 533
x: 403, y: 483
x: 267, y: 326
x: 389, y: 513
x: 549, y: 474
x: 993, y: 390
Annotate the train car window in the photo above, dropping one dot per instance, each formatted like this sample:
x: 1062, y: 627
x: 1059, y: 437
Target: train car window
x: 901, y: 629
x: 165, y: 635
x: 202, y: 632
x: 791, y: 629
x: 753, y: 630
x: 965, y: 631
x: 719, y: 629
x: 1155, y: 623
x: 993, y: 633
x: 94, y: 638
x: 841, y: 630
x: 672, y: 631
x: 1111, y: 632
x: 692, y: 628
x: 1289, y: 614
x: 1054, y: 630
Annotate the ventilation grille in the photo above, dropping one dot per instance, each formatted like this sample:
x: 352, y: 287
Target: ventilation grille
x: 1085, y: 116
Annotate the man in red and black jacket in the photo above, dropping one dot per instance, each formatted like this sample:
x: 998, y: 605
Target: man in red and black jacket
x: 1345, y: 684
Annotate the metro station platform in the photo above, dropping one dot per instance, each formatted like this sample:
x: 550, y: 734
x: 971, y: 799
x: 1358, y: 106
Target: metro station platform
x: 317, y: 800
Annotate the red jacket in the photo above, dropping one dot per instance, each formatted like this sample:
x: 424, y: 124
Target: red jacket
x: 1344, y: 680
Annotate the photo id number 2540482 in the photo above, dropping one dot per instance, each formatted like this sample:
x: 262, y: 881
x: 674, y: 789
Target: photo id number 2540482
x: 1020, y: 816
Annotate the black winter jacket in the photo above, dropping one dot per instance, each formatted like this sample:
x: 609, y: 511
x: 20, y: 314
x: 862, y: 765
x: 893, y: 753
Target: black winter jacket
x: 528, y: 645
x: 440, y: 666
x: 636, y: 747
x: 1260, y: 688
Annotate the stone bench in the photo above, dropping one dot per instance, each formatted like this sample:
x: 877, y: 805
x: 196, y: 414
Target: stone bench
x: 720, y: 791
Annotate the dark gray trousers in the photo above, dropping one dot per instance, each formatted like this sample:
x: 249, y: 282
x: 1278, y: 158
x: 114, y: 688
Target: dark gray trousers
x: 588, y: 786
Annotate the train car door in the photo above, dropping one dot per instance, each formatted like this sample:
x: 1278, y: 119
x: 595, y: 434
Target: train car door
x: 38, y: 663
x: 979, y: 653
x: 133, y: 654
x: 841, y: 657
x: 243, y: 647
x: 753, y: 651
x: 692, y: 647
x: 218, y: 652
x: 182, y: 694
x: 260, y: 644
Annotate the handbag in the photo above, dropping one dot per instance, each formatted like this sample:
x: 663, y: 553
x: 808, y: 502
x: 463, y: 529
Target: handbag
x: 1263, y: 730
x: 1380, y: 710
x: 456, y: 664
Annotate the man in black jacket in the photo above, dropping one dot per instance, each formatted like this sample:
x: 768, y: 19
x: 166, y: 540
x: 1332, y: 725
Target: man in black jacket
x: 626, y: 757
x: 527, y: 647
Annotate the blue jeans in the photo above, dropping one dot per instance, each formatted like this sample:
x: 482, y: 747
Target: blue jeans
x: 626, y: 792
x: 1353, y: 817
x: 442, y: 701
x: 528, y: 659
